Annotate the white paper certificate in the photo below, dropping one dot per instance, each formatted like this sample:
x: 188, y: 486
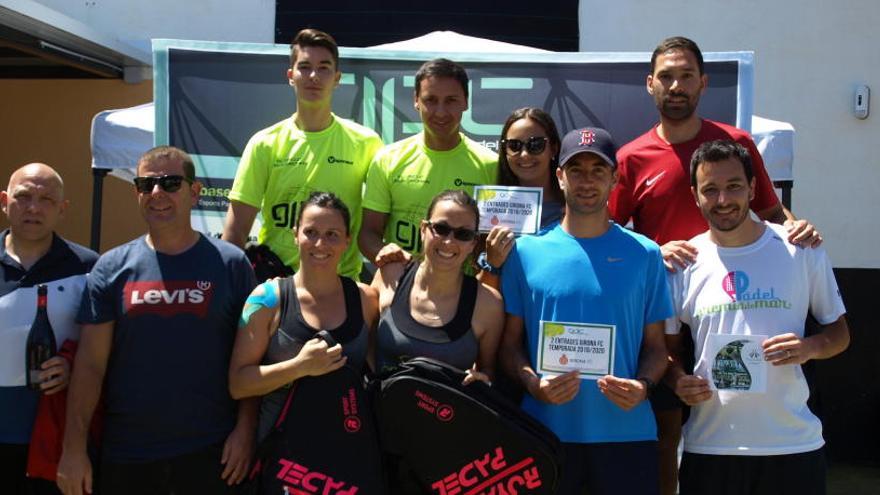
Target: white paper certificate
x: 586, y: 347
x: 736, y: 363
x: 517, y: 208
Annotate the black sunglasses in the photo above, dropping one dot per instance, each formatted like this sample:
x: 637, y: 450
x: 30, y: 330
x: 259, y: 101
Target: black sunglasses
x: 534, y: 145
x: 443, y: 230
x: 168, y: 183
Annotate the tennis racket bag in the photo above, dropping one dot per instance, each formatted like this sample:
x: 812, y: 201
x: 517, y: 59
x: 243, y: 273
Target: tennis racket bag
x: 324, y: 441
x: 463, y: 440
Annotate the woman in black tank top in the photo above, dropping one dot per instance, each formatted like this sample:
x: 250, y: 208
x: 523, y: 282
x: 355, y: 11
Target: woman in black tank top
x: 431, y: 308
x: 274, y: 348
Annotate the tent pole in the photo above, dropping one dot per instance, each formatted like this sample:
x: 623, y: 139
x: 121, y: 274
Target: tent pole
x: 98, y: 175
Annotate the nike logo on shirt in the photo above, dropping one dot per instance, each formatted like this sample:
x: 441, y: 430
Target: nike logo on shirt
x: 654, y: 179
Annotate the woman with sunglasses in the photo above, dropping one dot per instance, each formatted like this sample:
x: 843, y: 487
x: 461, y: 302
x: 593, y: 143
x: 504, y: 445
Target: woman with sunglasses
x: 275, y: 348
x: 527, y: 156
x: 430, y: 307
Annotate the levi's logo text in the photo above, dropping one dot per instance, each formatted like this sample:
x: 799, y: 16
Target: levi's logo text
x: 168, y: 297
x: 491, y: 474
x: 743, y: 296
x: 299, y: 480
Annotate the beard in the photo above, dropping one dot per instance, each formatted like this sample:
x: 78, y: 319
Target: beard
x: 679, y: 111
x: 727, y: 223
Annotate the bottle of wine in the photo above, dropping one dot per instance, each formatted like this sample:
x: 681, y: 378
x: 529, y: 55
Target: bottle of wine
x: 40, y: 341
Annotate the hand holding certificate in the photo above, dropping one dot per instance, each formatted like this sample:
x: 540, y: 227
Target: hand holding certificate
x: 582, y: 347
x: 518, y: 208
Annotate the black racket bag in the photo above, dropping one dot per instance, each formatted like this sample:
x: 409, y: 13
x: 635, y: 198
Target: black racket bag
x: 463, y: 440
x: 324, y: 441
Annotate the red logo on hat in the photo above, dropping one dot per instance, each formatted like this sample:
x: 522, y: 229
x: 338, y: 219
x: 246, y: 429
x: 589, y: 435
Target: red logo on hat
x: 587, y: 138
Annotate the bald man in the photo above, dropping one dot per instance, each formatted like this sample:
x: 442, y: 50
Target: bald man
x: 32, y: 254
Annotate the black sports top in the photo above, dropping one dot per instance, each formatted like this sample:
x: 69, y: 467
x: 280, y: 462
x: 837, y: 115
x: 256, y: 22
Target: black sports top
x: 401, y: 337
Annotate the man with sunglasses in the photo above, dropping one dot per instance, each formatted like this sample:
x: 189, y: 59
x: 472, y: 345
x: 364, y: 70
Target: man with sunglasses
x: 608, y: 286
x: 312, y: 150
x: 654, y: 192
x: 31, y: 253
x: 406, y: 175
x: 159, y: 317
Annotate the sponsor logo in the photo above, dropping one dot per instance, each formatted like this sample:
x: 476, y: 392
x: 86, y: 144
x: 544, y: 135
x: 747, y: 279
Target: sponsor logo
x: 654, y: 179
x: 491, y: 473
x: 611, y: 259
x: 460, y: 182
x: 587, y: 138
x: 736, y: 285
x: 445, y: 413
x: 333, y: 159
x: 351, y: 423
x: 410, y: 179
x: 299, y: 480
x: 292, y: 162
x: 168, y: 297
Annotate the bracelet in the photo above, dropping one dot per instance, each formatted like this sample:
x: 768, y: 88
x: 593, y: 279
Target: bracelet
x: 649, y: 385
x: 483, y: 263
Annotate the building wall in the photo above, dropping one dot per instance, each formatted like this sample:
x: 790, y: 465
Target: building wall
x: 212, y: 20
x: 49, y: 121
x: 809, y: 57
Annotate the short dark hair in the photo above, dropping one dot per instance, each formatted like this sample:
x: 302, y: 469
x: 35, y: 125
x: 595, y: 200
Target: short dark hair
x: 170, y: 153
x: 506, y: 177
x: 442, y: 67
x: 329, y: 200
x: 718, y: 151
x: 677, y: 43
x: 458, y: 197
x: 314, y: 37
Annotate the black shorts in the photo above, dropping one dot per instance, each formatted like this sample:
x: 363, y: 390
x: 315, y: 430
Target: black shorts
x: 195, y: 473
x: 789, y: 474
x: 618, y: 468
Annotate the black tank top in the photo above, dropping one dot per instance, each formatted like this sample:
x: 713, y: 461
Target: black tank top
x: 293, y: 332
x: 401, y: 337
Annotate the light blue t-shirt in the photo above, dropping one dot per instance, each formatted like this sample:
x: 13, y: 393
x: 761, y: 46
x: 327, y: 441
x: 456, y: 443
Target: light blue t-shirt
x: 617, y: 278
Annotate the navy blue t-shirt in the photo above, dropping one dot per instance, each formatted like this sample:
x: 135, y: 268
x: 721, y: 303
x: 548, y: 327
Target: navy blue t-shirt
x: 166, y: 389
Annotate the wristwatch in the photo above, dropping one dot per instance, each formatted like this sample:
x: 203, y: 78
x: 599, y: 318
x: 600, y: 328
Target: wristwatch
x: 483, y: 263
x: 649, y: 385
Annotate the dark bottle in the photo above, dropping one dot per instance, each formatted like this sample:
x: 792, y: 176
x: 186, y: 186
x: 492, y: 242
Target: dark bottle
x: 40, y: 341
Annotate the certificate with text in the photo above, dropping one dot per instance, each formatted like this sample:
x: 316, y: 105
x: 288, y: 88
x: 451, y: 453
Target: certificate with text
x: 514, y: 207
x: 585, y: 347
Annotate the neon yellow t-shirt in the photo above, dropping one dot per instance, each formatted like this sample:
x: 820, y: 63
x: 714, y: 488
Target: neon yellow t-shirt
x: 405, y: 176
x: 281, y: 165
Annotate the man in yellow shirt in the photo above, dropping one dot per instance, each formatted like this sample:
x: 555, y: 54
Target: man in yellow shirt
x: 406, y: 175
x: 313, y: 150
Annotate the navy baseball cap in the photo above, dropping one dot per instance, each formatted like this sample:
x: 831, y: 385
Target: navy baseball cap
x: 588, y: 140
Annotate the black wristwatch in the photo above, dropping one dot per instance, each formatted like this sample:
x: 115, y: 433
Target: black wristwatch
x: 483, y: 263
x: 649, y: 385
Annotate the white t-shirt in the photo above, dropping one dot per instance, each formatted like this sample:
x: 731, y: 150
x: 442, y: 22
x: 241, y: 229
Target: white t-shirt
x: 765, y: 288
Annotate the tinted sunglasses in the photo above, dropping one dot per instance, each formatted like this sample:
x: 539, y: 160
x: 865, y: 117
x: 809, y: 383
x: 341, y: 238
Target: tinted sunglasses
x: 168, y: 183
x: 534, y: 145
x: 459, y: 233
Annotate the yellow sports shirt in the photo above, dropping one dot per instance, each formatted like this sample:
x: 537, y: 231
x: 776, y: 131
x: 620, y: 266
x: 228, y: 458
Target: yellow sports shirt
x: 282, y: 165
x: 405, y: 176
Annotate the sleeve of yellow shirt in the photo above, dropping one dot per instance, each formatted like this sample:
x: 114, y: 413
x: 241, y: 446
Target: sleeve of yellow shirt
x: 252, y: 174
x: 377, y: 196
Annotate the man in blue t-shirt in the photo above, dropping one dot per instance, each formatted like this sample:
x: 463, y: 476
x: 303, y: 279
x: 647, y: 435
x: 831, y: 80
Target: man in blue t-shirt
x: 159, y: 317
x: 32, y: 254
x: 591, y: 298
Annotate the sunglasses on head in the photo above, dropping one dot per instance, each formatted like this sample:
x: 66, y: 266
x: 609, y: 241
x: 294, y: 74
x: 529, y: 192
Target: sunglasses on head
x: 459, y: 233
x: 534, y: 145
x: 168, y: 183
